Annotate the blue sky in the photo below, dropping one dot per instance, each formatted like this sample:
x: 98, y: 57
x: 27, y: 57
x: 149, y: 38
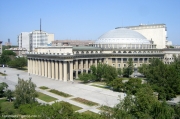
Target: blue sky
x: 85, y: 19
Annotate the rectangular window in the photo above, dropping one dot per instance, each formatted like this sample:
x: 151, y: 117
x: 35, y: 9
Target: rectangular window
x: 113, y: 60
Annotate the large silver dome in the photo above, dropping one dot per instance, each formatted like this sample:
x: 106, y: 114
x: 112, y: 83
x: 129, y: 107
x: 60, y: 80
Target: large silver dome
x: 122, y: 36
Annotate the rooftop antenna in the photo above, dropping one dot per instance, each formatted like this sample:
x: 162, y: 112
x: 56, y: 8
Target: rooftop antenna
x: 40, y: 24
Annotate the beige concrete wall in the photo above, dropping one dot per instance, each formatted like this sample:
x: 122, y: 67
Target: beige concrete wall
x: 54, y: 49
x: 50, y: 38
x: 157, y: 33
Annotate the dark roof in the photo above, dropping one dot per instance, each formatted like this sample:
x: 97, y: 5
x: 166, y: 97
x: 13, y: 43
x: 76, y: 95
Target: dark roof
x: 85, y: 48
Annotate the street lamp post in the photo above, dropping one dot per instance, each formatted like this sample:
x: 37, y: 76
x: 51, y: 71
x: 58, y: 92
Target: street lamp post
x: 30, y: 78
x: 18, y: 76
x: 4, y: 74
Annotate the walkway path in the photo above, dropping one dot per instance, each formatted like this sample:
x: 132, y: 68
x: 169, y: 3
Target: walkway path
x: 76, y: 89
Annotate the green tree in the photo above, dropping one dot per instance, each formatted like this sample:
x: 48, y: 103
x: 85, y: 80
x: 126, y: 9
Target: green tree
x: 85, y: 77
x: 9, y: 95
x: 127, y: 71
x: 105, y: 71
x: 123, y: 110
x: 7, y: 55
x: 143, y: 69
x: 119, y: 71
x: 25, y: 92
x: 163, y: 78
x: 133, y: 85
x: 58, y: 110
x: 8, y: 52
x: 162, y: 111
x: 98, y: 71
x: 110, y: 74
x: 144, y: 105
x: 93, y: 70
x: 117, y: 84
x: 3, y: 87
x: 18, y: 62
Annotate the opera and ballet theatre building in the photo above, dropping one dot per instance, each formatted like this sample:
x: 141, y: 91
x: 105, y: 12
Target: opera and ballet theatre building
x: 141, y: 43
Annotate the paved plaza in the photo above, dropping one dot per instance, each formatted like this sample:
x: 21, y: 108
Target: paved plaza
x: 76, y: 89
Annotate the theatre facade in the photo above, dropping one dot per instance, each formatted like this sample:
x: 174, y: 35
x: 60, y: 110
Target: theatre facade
x: 114, y: 48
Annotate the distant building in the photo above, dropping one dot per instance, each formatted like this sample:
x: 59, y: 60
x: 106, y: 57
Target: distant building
x: 72, y: 42
x: 31, y: 40
x: 24, y: 40
x: 19, y: 51
x: 8, y: 43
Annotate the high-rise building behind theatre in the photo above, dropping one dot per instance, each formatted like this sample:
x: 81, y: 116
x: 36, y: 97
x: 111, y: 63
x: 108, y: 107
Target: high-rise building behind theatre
x: 34, y: 39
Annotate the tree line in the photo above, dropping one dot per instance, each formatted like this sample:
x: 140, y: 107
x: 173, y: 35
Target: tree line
x: 9, y: 58
x: 163, y: 78
x: 107, y: 73
x: 143, y: 100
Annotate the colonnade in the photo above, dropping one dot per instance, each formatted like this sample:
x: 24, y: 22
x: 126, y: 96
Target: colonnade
x: 68, y: 69
x: 122, y: 62
x: 83, y: 65
x: 126, y: 46
x: 58, y: 70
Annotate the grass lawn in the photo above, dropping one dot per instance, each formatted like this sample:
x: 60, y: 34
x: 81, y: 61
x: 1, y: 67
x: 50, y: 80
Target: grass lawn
x: 7, y: 107
x: 23, y: 68
x: 100, y: 83
x: 90, y: 113
x: 43, y: 87
x: 2, y: 74
x: 105, y: 108
x: 59, y: 93
x: 2, y: 100
x: 99, y: 86
x: 84, y: 101
x: 74, y: 107
x: 45, y: 97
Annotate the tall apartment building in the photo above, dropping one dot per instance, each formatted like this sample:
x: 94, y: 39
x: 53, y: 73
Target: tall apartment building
x: 34, y: 39
x: 24, y: 40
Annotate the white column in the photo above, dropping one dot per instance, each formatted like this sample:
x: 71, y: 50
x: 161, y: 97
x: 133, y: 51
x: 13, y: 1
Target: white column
x: 56, y: 69
x: 60, y: 71
x: 29, y: 66
x: 36, y: 63
x: 91, y: 62
x: 52, y: 65
x: 86, y: 63
x: 65, y: 70
x: 95, y: 62
x: 116, y: 63
x: 46, y: 68
x: 42, y: 66
x: 81, y: 65
x: 34, y: 68
x: 71, y: 71
x: 49, y: 68
x: 76, y: 62
x: 122, y: 65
